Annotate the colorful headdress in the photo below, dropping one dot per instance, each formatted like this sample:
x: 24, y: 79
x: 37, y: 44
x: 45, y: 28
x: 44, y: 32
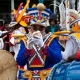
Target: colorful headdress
x: 20, y: 15
x: 73, y: 23
x: 40, y: 15
x: 73, y: 16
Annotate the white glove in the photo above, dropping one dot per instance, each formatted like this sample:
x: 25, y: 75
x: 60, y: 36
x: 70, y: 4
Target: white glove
x: 30, y: 43
x: 37, y: 38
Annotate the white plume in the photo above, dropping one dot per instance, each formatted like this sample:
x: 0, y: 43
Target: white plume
x: 62, y: 16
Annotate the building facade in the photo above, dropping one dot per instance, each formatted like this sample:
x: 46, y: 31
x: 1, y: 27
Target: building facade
x: 6, y: 6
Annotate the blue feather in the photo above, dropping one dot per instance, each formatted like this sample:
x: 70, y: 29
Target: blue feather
x: 41, y: 1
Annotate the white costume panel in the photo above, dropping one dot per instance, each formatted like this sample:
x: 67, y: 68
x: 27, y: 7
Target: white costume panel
x: 1, y: 43
x: 70, y: 49
x: 1, y: 40
x: 15, y: 47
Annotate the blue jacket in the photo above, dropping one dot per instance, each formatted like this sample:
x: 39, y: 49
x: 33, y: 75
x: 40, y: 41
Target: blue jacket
x: 53, y: 57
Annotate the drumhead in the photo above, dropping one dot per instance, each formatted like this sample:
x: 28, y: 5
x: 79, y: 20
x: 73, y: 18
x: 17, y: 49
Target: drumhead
x: 8, y: 70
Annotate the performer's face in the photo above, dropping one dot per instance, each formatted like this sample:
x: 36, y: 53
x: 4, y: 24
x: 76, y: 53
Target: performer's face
x: 38, y: 28
x: 52, y: 23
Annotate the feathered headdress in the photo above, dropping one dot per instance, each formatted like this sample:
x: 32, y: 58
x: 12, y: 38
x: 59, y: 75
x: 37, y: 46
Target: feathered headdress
x: 62, y: 16
x: 40, y: 15
x: 73, y: 16
x: 20, y: 15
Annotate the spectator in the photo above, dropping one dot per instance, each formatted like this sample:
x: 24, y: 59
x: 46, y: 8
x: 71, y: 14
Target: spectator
x: 53, y: 24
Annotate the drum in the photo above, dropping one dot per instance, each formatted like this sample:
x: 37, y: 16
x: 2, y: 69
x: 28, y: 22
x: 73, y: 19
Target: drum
x: 8, y: 70
x: 65, y: 71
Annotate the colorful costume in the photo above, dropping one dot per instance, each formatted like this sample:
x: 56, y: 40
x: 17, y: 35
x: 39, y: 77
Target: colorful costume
x: 14, y: 47
x: 39, y: 60
x: 72, y: 45
x: 65, y: 70
x: 70, y: 49
x: 20, y: 21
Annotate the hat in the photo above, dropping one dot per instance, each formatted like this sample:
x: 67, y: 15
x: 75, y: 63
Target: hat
x: 74, y: 23
x: 20, y: 16
x: 12, y: 24
x: 73, y: 13
x: 38, y: 23
x: 39, y: 15
x: 77, y: 29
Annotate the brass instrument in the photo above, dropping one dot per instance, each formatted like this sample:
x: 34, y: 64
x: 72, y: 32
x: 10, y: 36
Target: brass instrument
x: 56, y: 34
x: 19, y: 37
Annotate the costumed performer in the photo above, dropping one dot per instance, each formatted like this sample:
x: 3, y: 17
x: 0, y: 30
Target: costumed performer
x: 72, y: 45
x: 20, y: 22
x: 38, y: 55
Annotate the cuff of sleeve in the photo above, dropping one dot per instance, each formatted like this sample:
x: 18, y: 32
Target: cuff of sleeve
x: 11, y: 44
x: 78, y: 55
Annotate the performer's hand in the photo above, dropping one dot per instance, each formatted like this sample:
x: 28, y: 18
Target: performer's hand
x: 37, y: 39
